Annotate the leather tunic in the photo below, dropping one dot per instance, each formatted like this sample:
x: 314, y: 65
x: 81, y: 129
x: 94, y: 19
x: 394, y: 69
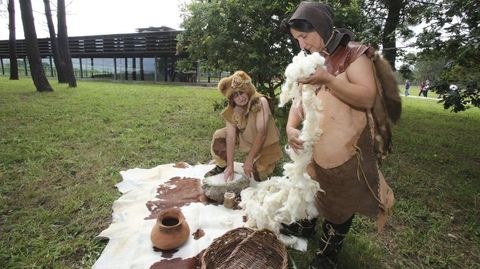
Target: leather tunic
x: 247, y: 128
x: 345, y: 162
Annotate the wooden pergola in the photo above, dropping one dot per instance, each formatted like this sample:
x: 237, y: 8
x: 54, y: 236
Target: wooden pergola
x: 158, y: 43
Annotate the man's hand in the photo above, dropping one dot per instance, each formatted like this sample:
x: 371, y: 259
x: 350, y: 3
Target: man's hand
x: 228, y: 173
x: 293, y: 139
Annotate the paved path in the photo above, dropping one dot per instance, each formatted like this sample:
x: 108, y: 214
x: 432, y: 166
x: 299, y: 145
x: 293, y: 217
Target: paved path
x: 420, y: 97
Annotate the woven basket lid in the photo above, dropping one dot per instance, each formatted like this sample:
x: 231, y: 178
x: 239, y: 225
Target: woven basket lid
x: 243, y: 248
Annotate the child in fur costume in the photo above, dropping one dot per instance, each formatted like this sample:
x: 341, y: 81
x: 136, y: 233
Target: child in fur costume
x: 250, y: 128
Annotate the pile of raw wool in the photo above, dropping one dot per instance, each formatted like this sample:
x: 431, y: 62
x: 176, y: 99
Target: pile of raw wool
x: 291, y: 197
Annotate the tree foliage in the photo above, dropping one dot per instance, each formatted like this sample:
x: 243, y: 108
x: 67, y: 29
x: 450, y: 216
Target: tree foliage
x: 231, y: 35
x: 428, y: 67
x: 390, y: 20
x: 239, y: 35
x: 406, y: 71
x: 453, y: 33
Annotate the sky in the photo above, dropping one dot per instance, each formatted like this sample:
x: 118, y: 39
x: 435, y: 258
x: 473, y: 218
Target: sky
x: 97, y: 17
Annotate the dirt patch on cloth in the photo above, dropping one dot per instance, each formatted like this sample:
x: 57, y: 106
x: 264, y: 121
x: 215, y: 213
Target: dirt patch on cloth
x: 191, y: 263
x: 176, y: 192
x: 199, y: 233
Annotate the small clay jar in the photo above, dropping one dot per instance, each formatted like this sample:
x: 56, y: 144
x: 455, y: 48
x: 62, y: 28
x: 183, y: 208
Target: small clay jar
x: 171, y: 230
x: 229, y: 199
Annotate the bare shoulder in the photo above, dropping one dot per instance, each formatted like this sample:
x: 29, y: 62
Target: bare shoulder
x: 361, y: 62
x: 361, y: 70
x: 264, y: 102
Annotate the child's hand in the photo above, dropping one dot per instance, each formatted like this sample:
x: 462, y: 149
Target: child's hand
x: 228, y: 174
x: 248, y: 168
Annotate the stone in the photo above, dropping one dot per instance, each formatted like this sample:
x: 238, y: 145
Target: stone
x: 214, y: 187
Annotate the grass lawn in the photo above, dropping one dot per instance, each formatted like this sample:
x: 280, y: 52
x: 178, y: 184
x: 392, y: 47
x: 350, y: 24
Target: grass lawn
x: 61, y: 153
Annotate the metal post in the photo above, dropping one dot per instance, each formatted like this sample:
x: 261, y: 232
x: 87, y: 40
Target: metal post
x: 165, y: 69
x: 81, y: 67
x: 142, y: 75
x: 114, y: 68
x: 91, y: 65
x: 126, y: 68
x: 197, y: 69
x: 155, y: 74
x: 3, y: 70
x: 134, y: 68
x: 25, y: 64
x: 51, y: 65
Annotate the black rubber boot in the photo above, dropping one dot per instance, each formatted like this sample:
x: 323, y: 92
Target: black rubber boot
x: 330, y: 244
x: 301, y: 228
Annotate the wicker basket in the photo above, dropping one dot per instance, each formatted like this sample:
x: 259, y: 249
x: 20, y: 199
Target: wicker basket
x: 243, y: 248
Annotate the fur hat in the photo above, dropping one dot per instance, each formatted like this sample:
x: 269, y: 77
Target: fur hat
x: 238, y: 82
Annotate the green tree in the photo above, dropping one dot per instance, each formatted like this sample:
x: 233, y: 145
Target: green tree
x: 231, y: 35
x: 406, y: 71
x: 428, y: 67
x: 385, y: 21
x: 239, y: 35
x: 453, y: 33
x: 408, y: 67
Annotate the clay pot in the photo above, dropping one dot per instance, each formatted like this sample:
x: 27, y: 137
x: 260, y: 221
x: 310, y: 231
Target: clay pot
x: 171, y: 230
x: 229, y: 199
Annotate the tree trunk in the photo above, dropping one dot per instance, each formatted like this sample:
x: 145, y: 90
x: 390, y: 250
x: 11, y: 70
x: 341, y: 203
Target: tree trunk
x: 63, y: 47
x: 59, y: 64
x: 33, y: 53
x: 12, y: 41
x: 391, y: 23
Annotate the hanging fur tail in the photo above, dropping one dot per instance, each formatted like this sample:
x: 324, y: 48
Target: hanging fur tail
x: 388, y: 105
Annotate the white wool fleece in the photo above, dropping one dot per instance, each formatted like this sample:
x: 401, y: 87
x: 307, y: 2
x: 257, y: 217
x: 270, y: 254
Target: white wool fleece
x: 291, y: 197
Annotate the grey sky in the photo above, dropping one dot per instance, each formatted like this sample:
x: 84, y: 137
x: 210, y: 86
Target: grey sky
x: 95, y: 17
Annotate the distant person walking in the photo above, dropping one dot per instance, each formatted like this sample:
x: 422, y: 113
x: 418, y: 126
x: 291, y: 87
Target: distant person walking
x: 407, y: 88
x: 422, y: 85
x: 425, y: 88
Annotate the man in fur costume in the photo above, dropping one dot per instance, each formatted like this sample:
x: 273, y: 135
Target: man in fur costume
x: 250, y: 128
x: 356, y: 130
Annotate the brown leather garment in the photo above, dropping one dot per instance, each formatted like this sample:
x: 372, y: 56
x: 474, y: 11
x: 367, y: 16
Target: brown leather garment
x: 339, y: 61
x: 352, y: 187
